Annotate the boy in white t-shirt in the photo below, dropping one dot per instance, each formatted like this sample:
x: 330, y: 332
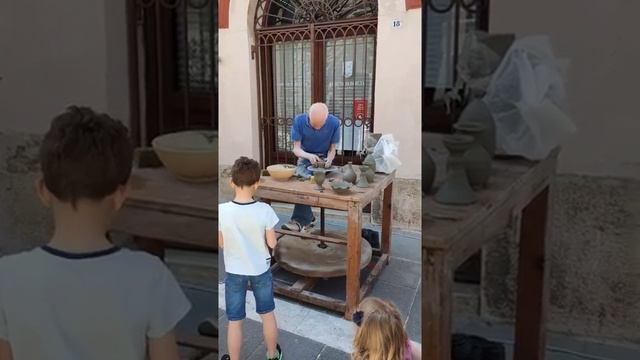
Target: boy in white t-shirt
x: 80, y: 297
x: 246, y: 229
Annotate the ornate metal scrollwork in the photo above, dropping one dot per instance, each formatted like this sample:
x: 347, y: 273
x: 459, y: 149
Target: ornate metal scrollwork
x: 271, y: 13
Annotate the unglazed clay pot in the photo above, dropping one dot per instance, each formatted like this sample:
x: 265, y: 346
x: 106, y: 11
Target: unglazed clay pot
x: 191, y: 156
x: 456, y: 189
x: 368, y: 172
x: 362, y: 181
x: 318, y: 178
x: 349, y: 175
x: 478, y: 161
x: 477, y: 112
x: 370, y: 162
x: 428, y: 170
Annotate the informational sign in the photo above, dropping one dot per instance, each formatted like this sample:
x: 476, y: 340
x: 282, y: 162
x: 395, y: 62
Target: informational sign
x: 396, y: 24
x: 359, y: 109
x: 348, y: 69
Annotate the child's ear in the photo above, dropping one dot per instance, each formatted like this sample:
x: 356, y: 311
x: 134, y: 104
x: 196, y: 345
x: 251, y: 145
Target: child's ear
x: 120, y: 195
x: 43, y: 192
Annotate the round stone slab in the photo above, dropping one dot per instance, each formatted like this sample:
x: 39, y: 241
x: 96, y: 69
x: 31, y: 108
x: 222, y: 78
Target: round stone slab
x: 306, y: 258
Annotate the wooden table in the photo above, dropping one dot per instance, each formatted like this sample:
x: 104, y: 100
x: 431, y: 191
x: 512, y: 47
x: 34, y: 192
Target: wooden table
x: 162, y: 212
x: 303, y: 192
x: 517, y: 196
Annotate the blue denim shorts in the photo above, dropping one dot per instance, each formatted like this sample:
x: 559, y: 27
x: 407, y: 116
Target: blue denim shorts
x: 235, y: 295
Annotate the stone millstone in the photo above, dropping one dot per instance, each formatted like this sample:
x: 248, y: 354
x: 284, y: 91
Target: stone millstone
x: 306, y: 258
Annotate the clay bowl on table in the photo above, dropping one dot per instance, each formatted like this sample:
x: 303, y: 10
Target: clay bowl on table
x: 341, y: 187
x: 281, y: 172
x: 191, y: 156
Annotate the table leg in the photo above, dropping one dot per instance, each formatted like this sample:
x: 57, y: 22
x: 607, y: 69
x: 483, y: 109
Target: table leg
x: 533, y: 284
x: 436, y: 305
x: 386, y: 219
x: 354, y: 238
x: 322, y: 221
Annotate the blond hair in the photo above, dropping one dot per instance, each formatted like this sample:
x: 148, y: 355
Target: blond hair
x: 381, y: 335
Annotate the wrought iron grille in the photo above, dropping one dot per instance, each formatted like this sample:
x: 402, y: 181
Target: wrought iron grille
x: 172, y: 66
x: 310, y: 51
x: 445, y: 23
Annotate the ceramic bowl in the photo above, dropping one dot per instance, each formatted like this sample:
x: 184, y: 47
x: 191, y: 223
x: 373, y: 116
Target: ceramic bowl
x: 341, y: 187
x: 281, y: 172
x: 191, y: 156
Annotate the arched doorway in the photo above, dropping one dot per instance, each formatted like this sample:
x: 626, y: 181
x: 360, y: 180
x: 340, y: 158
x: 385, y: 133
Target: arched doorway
x: 315, y: 50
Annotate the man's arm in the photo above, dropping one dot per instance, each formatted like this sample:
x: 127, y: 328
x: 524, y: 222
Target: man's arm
x: 163, y: 348
x: 297, y: 150
x: 5, y: 351
x: 331, y: 155
x: 220, y: 240
x: 271, y: 238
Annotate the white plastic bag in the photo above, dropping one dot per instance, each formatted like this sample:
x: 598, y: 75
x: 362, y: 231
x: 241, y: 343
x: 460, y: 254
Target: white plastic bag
x: 527, y: 99
x: 385, y: 154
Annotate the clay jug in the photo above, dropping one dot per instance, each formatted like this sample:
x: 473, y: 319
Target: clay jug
x: 428, y: 171
x: 370, y: 162
x: 477, y: 112
x: 477, y: 159
x: 349, y: 175
x: 368, y: 173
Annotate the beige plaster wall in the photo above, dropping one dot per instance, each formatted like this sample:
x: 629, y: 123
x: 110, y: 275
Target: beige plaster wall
x: 238, y: 112
x: 398, y: 86
x: 600, y: 40
x: 53, y: 55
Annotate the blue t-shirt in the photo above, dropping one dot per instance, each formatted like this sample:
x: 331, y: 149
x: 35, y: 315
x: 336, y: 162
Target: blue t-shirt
x: 315, y: 141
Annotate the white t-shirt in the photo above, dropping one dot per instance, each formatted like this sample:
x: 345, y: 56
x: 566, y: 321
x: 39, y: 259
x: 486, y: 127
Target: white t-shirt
x: 100, y: 306
x: 243, y: 228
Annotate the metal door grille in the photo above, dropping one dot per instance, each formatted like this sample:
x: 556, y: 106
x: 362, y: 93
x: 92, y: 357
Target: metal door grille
x: 445, y: 23
x: 172, y: 66
x: 310, y: 51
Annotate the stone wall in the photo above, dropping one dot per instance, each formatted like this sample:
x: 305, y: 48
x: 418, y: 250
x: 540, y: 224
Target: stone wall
x: 595, y: 277
x: 24, y: 222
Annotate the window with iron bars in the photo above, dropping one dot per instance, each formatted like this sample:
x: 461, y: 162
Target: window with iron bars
x: 445, y: 25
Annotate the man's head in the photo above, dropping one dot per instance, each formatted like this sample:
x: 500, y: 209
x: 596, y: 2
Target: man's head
x: 85, y: 157
x: 318, y: 114
x: 245, y: 173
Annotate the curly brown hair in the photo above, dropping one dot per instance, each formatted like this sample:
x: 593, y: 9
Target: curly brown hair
x: 85, y: 155
x: 245, y: 172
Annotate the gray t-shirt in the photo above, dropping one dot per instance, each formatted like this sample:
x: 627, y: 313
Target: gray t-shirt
x: 104, y: 305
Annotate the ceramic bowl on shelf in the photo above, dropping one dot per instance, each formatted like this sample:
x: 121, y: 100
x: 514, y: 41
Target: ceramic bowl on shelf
x: 191, y: 156
x: 281, y: 172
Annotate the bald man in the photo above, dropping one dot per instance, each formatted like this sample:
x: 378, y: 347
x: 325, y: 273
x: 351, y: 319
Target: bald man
x: 315, y: 136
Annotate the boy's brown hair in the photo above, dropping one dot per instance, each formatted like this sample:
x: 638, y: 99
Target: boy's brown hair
x: 245, y: 172
x: 85, y: 155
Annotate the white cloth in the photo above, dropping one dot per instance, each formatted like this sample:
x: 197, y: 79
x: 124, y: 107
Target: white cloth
x: 99, y: 307
x: 243, y: 228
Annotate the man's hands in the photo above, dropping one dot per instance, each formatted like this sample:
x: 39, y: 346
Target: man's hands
x: 327, y: 164
x: 313, y: 159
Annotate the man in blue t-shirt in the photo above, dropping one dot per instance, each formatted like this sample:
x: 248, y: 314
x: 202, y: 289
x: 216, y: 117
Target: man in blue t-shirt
x: 315, y: 136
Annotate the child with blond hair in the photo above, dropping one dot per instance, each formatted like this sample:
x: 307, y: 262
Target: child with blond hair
x: 380, y: 334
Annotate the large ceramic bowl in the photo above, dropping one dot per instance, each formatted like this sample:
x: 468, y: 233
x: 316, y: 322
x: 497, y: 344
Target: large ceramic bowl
x: 281, y: 172
x: 191, y: 156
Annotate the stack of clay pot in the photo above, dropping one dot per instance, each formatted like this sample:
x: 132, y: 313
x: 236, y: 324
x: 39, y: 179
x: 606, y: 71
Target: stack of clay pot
x: 471, y: 150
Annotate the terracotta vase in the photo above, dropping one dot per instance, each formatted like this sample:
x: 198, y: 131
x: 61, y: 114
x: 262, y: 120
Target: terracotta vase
x: 477, y: 112
x: 428, y: 171
x: 456, y: 189
x: 349, y: 175
x: 368, y: 172
x: 478, y: 160
x: 370, y: 162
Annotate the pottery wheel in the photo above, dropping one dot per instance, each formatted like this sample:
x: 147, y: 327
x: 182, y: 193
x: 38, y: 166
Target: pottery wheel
x: 306, y: 258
